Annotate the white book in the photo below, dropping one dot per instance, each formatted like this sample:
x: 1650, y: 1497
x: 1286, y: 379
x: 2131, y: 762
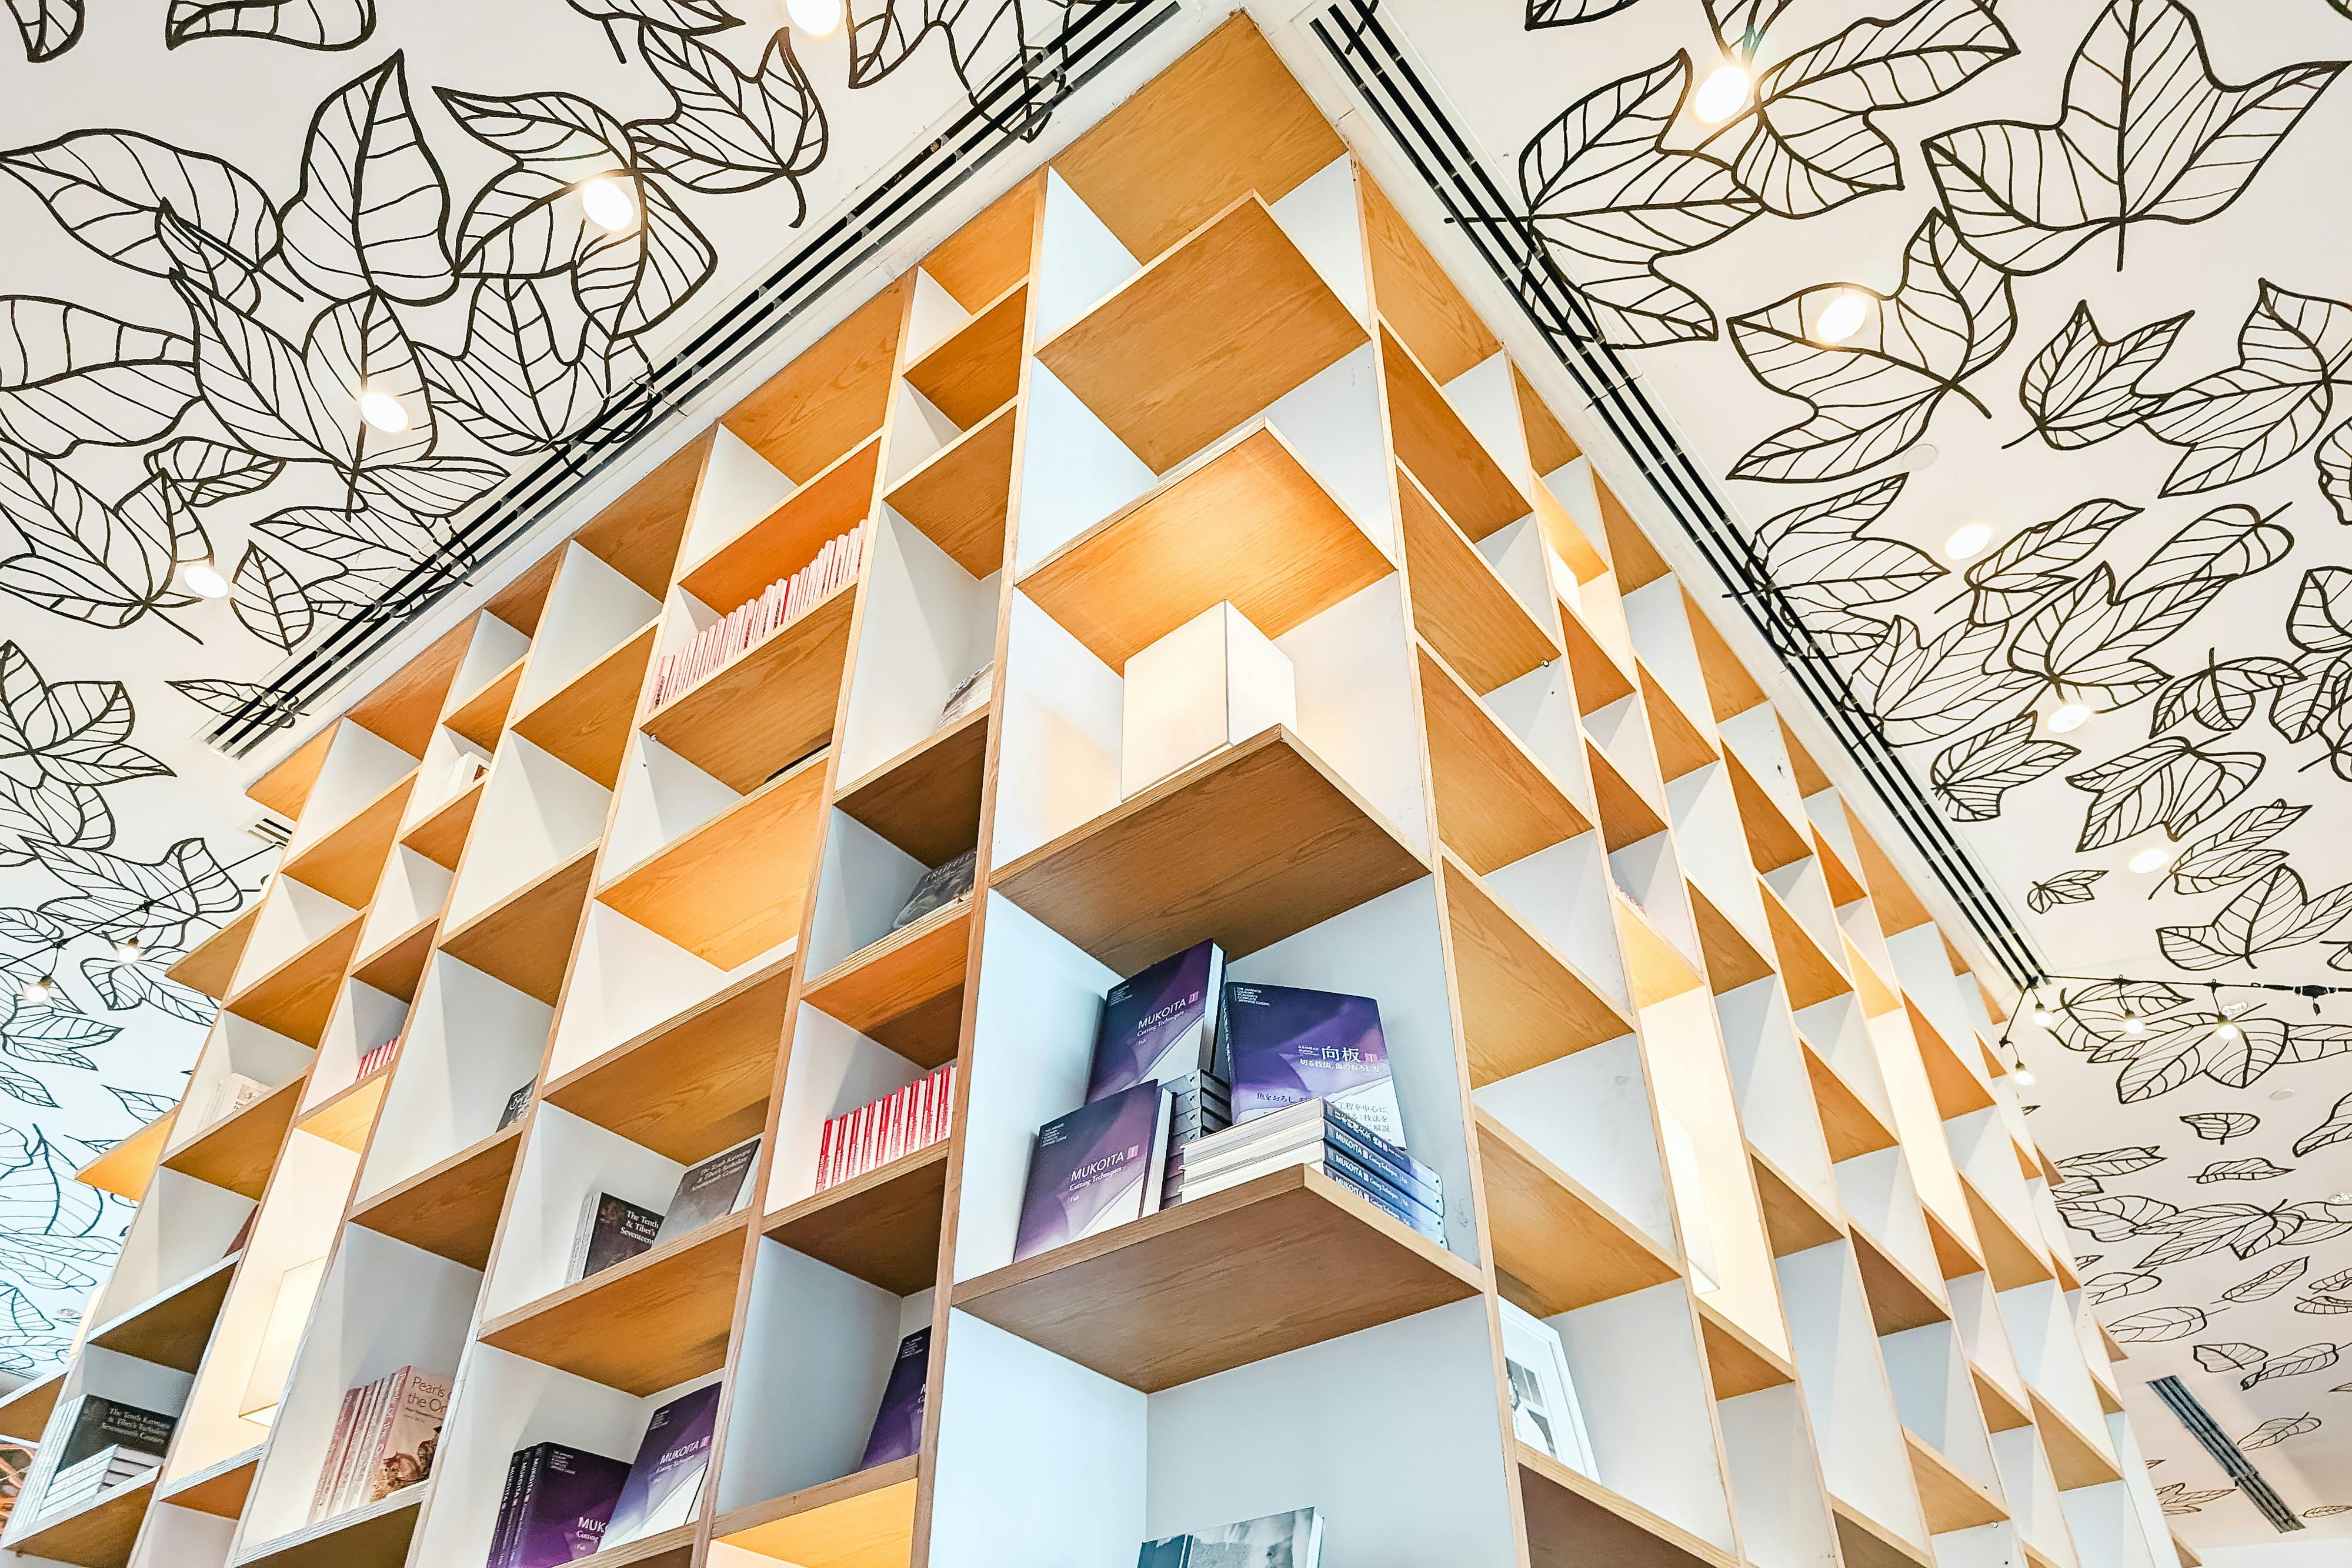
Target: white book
x: 232, y: 1094
x: 331, y: 1469
x: 1545, y: 1413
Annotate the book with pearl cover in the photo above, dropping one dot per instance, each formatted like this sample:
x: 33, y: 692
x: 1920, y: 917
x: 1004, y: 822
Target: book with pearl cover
x: 1097, y: 1167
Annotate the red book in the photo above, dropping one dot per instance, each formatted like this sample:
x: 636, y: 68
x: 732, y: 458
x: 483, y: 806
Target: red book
x: 824, y: 1155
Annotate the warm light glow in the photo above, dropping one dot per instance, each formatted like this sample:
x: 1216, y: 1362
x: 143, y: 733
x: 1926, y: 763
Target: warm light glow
x: 1968, y: 541
x: 817, y: 17
x: 1722, y: 95
x: 2153, y: 859
x: 1842, y: 317
x: 2024, y: 1077
x: 280, y: 1336
x: 2067, y: 716
x: 38, y: 988
x: 2225, y: 1031
x: 127, y: 951
x: 203, y: 580
x: 383, y: 411
x: 2134, y: 1024
x: 609, y: 204
x: 2043, y: 1015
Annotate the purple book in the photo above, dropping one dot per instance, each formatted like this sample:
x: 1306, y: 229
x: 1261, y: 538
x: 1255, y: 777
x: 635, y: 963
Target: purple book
x: 1160, y: 1023
x: 898, y: 1424
x: 1097, y: 1167
x: 562, y: 1501
x: 665, y: 1481
x: 1288, y: 1045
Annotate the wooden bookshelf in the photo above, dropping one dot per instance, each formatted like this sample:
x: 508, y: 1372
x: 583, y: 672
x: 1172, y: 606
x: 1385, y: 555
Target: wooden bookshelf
x: 1898, y: 1298
x: 100, y: 1533
x: 440, y: 833
x: 1573, y: 1519
x: 1523, y: 1002
x: 525, y: 938
x: 1852, y: 1127
x: 211, y: 965
x: 906, y: 991
x: 829, y: 505
x: 926, y: 800
x: 220, y: 1488
x: 640, y: 1326
x: 346, y: 1116
x: 769, y: 708
x: 584, y: 723
x: 1953, y: 1500
x: 730, y: 888
x: 482, y: 716
x: 295, y: 998
x: 1793, y: 1220
x: 238, y: 1151
x: 451, y: 1208
x: 882, y: 1227
x: 1864, y: 1542
x: 977, y: 367
x: 960, y: 497
x: 1557, y: 1245
x: 1496, y: 802
x: 26, y: 1410
x: 171, y: 1328
x: 397, y: 968
x: 1464, y: 479
x: 346, y: 862
x: 862, y: 1520
x: 373, y: 1536
x: 1461, y: 606
x: 126, y: 1168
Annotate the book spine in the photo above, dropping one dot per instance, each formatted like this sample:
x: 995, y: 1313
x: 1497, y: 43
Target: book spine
x: 379, y: 1437
x: 1339, y: 1161
x: 1367, y: 1150
x: 502, y: 1534
x: 355, y: 1452
x: 824, y: 1154
x: 1389, y: 1204
x: 901, y: 1102
x: 335, y: 1446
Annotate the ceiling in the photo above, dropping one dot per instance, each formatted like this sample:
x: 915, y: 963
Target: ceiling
x: 2106, y: 310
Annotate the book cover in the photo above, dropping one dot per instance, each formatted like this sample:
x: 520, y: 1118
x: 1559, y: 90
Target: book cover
x: 1285, y: 1044
x: 709, y: 1191
x: 562, y: 1506
x: 941, y: 886
x: 331, y: 1469
x: 407, y: 1437
x: 666, y: 1480
x: 351, y: 1464
x: 612, y: 1230
x: 515, y: 1103
x: 519, y: 1465
x: 1293, y: 1540
x: 971, y: 692
x: 1544, y: 1409
x: 1160, y: 1023
x: 898, y: 1422
x: 1097, y: 1167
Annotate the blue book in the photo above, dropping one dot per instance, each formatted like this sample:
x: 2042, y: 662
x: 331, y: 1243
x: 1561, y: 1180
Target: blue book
x: 1160, y: 1023
x: 666, y: 1480
x: 1285, y: 1044
x: 1097, y: 1167
x: 898, y: 1424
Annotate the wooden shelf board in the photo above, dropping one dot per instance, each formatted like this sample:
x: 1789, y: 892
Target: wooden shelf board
x: 977, y: 367
x: 2003, y: 1411
x: 1863, y: 1543
x: 405, y: 708
x: 1959, y: 1090
x: 297, y: 998
x: 126, y: 1168
x: 286, y: 788
x: 832, y: 396
x: 1793, y: 1221
x: 641, y: 1326
x: 1290, y: 1258
x: 1574, y: 1521
x: 1250, y: 845
x: 1950, y: 1499
x: 1656, y: 965
x: 1562, y: 1245
x: 770, y: 706
x: 693, y: 1083
x: 960, y: 496
x: 481, y: 717
x: 1898, y: 1299
x: 25, y: 1412
x: 373, y: 1536
x: 1773, y: 841
x: 452, y: 1208
x: 1845, y: 888
x: 348, y: 861
x: 2075, y: 1461
x: 1602, y: 679
x: 1220, y: 325
x: 1682, y: 747
x: 672, y: 1548
x: 1438, y: 444
x: 1848, y: 1124
x: 440, y: 834
x: 2186, y: 1553
x: 1808, y: 973
x: 220, y: 1488
x: 834, y: 501
x: 882, y: 1227
x: 865, y: 1519
x: 1628, y: 815
x: 172, y: 1328
x: 1732, y: 960
x: 1496, y: 803
x: 525, y: 938
x: 906, y: 990
x: 1461, y: 606
x: 238, y: 1151
x: 926, y: 800
x: 989, y: 253
x: 584, y: 724
x: 1523, y: 1002
x: 397, y: 968
x: 1738, y: 1361
x: 211, y: 965
x: 1245, y: 522
x: 733, y: 888
x: 98, y: 1534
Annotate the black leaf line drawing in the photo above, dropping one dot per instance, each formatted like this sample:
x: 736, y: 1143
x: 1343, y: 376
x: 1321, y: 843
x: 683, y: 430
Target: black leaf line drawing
x: 2334, y: 459
x: 2118, y: 1286
x: 2254, y: 1168
x: 2147, y: 134
x: 268, y: 600
x: 306, y: 407
x: 2269, y: 1282
x: 1921, y: 689
x: 511, y: 387
x: 114, y: 190
x: 2220, y: 1126
x: 2335, y: 1129
x: 2224, y: 695
x: 72, y: 731
x: 144, y: 1108
x: 729, y: 131
x: 1567, y: 12
x: 2230, y: 1355
x: 50, y: 811
x: 2157, y: 1325
x: 1833, y: 569
x: 2324, y: 1305
x: 2112, y: 1161
x: 369, y: 215
x: 2084, y: 387
x: 1871, y: 395
x: 53, y: 1034
x: 2161, y: 1048
x: 51, y: 27
x: 2262, y: 917
x: 1971, y: 776
x: 2176, y: 1499
x: 155, y: 901
x: 2065, y: 887
x: 305, y: 24
x: 125, y: 985
x: 2277, y: 1430
x: 1610, y: 201
x: 1809, y: 143
x: 2291, y: 350
x: 2246, y: 1230
x: 239, y: 697
x: 2033, y: 563
x: 200, y: 472
x: 2236, y: 852
x: 109, y: 565
x: 429, y: 488
x: 994, y: 44
x: 2093, y: 639
x: 69, y: 374
x: 669, y: 15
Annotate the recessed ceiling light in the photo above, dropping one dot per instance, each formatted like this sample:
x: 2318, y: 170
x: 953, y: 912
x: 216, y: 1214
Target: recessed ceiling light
x: 2282, y: 1094
x: 383, y: 410
x: 2135, y: 1025
x: 814, y: 16
x: 1968, y: 541
x: 127, y: 951
x: 1842, y: 317
x: 608, y: 204
x: 2024, y: 1077
x: 1722, y: 95
x: 203, y: 579
x: 2067, y: 716
x: 2226, y: 1031
x: 2152, y: 858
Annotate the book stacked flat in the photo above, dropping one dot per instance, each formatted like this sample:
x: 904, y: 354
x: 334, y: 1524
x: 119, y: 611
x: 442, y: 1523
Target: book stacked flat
x: 378, y: 1059
x: 564, y: 1503
x: 386, y: 1437
x: 752, y: 622
x: 91, y: 1428
x: 85, y: 1479
x: 900, y: 1123
x: 1293, y: 1540
x: 1315, y: 1133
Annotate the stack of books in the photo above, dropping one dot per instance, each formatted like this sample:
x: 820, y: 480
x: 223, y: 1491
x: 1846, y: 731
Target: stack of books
x: 614, y: 1230
x: 84, y: 1479
x: 562, y: 1503
x: 1293, y: 1540
x: 378, y: 1059
x: 386, y: 1434
x: 754, y: 621
x: 92, y: 1428
x: 1317, y: 1134
x: 900, y: 1123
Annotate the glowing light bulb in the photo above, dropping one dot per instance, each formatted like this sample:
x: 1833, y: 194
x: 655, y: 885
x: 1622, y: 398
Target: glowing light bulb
x: 38, y: 988
x: 2067, y: 716
x: 1968, y: 541
x: 2024, y: 1077
x: 1842, y: 317
x: 2135, y: 1025
x: 383, y: 410
x: 1722, y: 95
x: 2226, y: 1031
x: 2152, y: 858
x: 608, y: 204
x: 2044, y: 1016
x: 127, y: 951
x: 816, y: 18
x: 203, y: 579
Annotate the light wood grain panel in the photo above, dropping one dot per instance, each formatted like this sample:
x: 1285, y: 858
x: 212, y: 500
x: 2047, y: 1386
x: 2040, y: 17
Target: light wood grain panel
x: 1793, y: 1221
x: 1958, y: 1087
x: 1496, y: 803
x: 1863, y: 1543
x: 882, y: 1227
x: 345, y: 1118
x: 218, y: 1490
x: 829, y: 505
x: 1737, y: 1362
x: 481, y: 716
x: 397, y: 968
x: 1898, y: 1299
x: 237, y: 1151
x: 640, y: 1326
x: 1549, y: 446
x: 831, y: 397
x: 98, y: 1534
x: 862, y: 1520
x: 2075, y: 1459
x: 1656, y: 967
x: 1773, y: 840
x: 733, y: 888
x: 926, y: 800
x: 1628, y: 815
x: 128, y: 1168
x: 1562, y: 1245
x: 297, y: 997
x: 770, y: 706
x: 585, y: 724
x: 960, y: 496
x: 1732, y: 960
x: 373, y: 1536
x: 905, y: 991
x: 1416, y: 299
x: 1848, y: 1123
x: 284, y: 788
x: 990, y: 253
x: 406, y: 708
x: 451, y: 1209
x: 2011, y: 1259
x: 173, y: 1328
x: 638, y: 534
x: 347, y: 862
x: 2003, y: 1411
x: 24, y: 1413
x: 1461, y: 606
x: 1601, y: 678
x: 1574, y: 1521
x: 1682, y: 745
x: 1432, y: 440
x: 1523, y: 1002
x: 525, y: 938
x: 441, y: 834
x: 1631, y: 556
x: 977, y: 367
x: 1951, y: 1499
x: 211, y: 965
x: 1808, y: 972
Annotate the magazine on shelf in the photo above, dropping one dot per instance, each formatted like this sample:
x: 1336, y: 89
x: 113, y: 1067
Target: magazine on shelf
x: 941, y: 886
x: 232, y: 1094
x: 665, y: 1478
x: 1293, y: 1540
x: 1544, y: 1410
x: 1099, y: 1167
x: 898, y: 1422
x: 710, y: 1190
x: 970, y: 694
x: 90, y: 1425
x: 612, y: 1230
x: 1160, y: 1023
x: 1285, y: 1044
x: 516, y: 1103
x: 558, y: 1500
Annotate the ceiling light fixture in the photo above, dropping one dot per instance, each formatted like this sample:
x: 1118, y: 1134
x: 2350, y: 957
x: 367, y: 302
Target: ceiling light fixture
x: 1968, y: 541
x: 1722, y: 95
x: 2067, y: 716
x: 609, y: 204
x: 2024, y: 1077
x: 2135, y: 1025
x: 383, y: 410
x: 2225, y: 1030
x: 816, y: 18
x: 38, y: 989
x: 203, y: 579
x: 2152, y: 858
x: 127, y: 951
x: 2041, y: 1013
x: 1842, y: 317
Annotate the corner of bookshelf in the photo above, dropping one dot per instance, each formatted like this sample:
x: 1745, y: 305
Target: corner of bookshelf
x: 1951, y: 1498
x: 768, y: 708
x: 1563, y: 1246
x: 238, y: 1151
x: 905, y: 991
x: 1573, y: 1519
x: 211, y: 965
x: 865, y: 1519
x: 882, y: 1227
x: 174, y: 1327
x: 100, y: 1533
x: 451, y: 1208
x: 128, y: 1168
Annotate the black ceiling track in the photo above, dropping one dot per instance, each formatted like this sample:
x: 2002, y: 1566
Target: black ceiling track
x: 2233, y: 1460
x: 1096, y: 36
x: 1390, y: 87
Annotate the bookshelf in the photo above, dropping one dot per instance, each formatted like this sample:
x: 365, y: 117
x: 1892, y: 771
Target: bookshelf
x: 1708, y: 1091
